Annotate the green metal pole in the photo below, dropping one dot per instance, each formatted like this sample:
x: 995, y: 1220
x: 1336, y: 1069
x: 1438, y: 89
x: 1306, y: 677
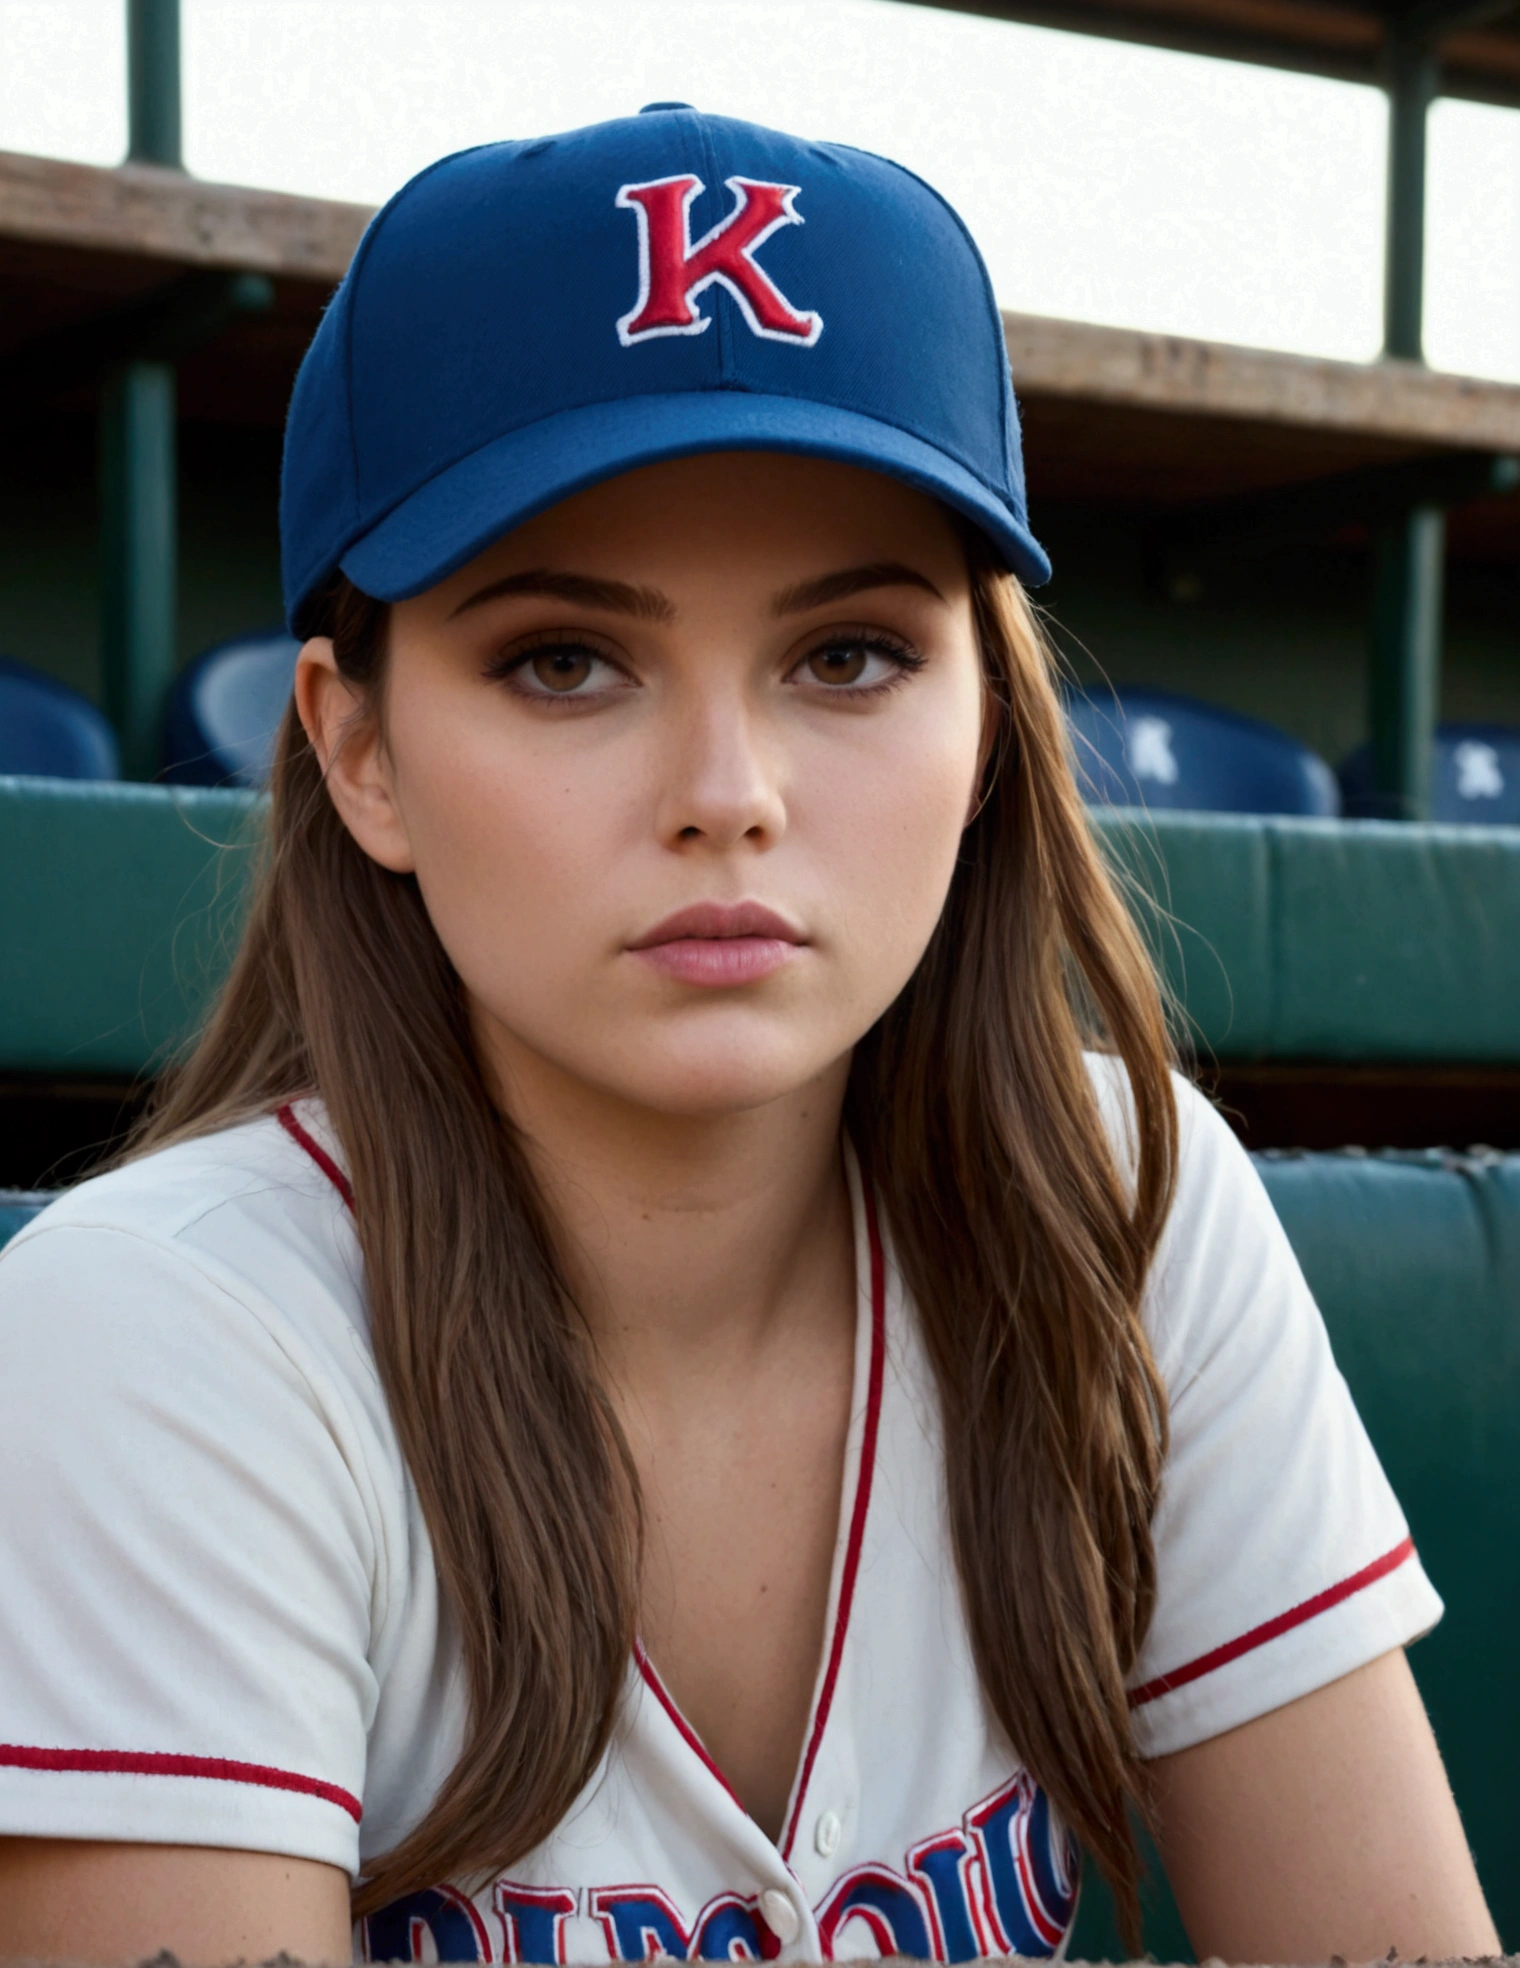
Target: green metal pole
x: 1409, y: 553
x: 1409, y: 557
x: 139, y: 530
x: 153, y: 122
x: 1413, y: 73
x: 138, y: 475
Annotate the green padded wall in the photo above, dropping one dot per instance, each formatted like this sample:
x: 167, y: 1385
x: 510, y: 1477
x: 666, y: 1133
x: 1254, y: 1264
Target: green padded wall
x: 1333, y: 939
x: 1415, y: 1261
x: 18, y: 1206
x: 119, y: 906
x: 1290, y: 939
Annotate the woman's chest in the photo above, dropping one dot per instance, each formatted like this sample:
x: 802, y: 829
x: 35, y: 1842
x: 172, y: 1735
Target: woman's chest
x: 909, y: 1827
x: 742, y: 1506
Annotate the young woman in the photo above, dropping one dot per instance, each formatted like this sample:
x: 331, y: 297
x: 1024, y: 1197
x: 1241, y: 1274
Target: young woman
x: 674, y: 1375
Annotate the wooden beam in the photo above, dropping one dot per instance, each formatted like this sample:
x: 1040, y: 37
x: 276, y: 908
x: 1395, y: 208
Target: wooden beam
x: 1482, y: 64
x: 1435, y: 20
x: 1397, y: 400
x: 141, y: 210
x: 137, y: 211
x: 1342, y: 38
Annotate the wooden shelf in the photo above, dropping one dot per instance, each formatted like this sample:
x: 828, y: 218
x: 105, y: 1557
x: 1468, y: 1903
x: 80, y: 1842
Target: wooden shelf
x: 1402, y: 402
x: 1325, y: 37
x: 1146, y: 424
x: 140, y: 212
x: 1117, y: 418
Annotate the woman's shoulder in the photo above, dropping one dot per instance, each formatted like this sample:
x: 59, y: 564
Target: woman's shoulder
x: 1223, y: 1261
x: 166, y: 1191
x: 206, y: 1534
x: 1206, y: 1146
x: 243, y: 1222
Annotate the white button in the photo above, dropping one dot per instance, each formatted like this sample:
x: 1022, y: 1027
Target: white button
x: 780, y: 1914
x: 826, y: 1834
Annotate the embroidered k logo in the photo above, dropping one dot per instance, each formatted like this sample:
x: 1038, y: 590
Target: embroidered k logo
x: 673, y: 271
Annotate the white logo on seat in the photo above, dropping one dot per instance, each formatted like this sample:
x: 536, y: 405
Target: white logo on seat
x: 1149, y: 748
x: 1479, y: 774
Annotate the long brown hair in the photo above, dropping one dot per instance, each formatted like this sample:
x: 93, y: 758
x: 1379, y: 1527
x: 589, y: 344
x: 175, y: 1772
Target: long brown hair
x: 1023, y: 1240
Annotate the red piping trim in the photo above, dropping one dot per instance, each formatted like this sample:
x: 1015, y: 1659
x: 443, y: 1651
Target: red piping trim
x: 162, y: 1763
x: 858, y: 1517
x: 688, y: 1734
x: 287, y: 1120
x: 1258, y: 1636
x: 159, y: 1763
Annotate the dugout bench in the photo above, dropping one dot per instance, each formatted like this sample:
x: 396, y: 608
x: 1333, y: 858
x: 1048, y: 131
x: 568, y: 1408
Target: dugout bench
x: 1296, y: 947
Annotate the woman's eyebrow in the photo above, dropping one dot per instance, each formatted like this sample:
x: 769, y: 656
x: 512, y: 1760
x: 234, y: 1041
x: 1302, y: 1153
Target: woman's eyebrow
x: 584, y: 590
x: 850, y: 581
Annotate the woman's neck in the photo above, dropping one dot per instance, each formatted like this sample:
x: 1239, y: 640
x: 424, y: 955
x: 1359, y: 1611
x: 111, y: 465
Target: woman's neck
x: 689, y: 1242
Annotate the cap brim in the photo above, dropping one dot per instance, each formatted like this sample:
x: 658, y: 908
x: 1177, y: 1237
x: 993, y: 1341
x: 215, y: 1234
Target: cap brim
x: 461, y: 510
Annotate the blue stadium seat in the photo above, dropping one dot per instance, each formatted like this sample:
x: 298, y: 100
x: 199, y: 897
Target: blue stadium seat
x: 1151, y: 748
x: 1476, y: 777
x: 18, y: 1207
x: 49, y: 731
x: 225, y: 709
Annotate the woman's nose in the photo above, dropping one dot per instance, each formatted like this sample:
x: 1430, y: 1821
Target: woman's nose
x: 721, y: 777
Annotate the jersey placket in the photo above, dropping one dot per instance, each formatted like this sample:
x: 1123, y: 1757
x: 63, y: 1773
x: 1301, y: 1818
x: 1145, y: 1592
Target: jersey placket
x: 794, y: 1873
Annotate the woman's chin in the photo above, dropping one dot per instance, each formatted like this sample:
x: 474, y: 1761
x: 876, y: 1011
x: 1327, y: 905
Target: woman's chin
x: 702, y: 1091
x: 725, y: 1061
x: 705, y: 1081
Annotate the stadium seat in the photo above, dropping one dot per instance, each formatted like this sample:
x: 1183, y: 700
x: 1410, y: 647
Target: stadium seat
x: 225, y: 709
x: 1476, y: 776
x: 49, y: 731
x: 1150, y: 748
x: 1415, y: 1260
x: 18, y: 1207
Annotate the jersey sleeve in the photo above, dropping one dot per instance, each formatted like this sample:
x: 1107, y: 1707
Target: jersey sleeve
x: 1283, y: 1558
x: 186, y: 1558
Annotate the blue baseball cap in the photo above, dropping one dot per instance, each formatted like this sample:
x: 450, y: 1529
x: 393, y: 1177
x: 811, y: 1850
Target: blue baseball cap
x: 524, y: 320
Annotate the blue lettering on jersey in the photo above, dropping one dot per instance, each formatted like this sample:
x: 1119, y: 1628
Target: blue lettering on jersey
x: 943, y: 1866
x: 729, y: 1929
x: 1003, y: 1881
x: 886, y: 1902
x: 439, y: 1924
x: 1029, y: 1869
x: 533, y: 1920
x: 642, y: 1924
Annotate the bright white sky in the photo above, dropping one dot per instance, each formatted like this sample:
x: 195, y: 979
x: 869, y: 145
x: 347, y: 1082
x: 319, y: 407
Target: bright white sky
x: 1105, y: 182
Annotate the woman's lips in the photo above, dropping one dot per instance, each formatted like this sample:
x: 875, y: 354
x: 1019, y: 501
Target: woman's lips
x: 720, y: 943
x: 719, y: 960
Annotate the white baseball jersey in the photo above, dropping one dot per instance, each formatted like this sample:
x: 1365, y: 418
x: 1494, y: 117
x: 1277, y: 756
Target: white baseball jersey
x: 222, y: 1624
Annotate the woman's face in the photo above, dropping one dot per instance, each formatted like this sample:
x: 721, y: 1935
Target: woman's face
x: 682, y: 768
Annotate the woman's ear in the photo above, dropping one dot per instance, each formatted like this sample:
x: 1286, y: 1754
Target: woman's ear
x: 344, y: 729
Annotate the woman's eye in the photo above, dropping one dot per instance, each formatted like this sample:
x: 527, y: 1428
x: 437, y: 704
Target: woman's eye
x: 838, y: 665
x: 561, y: 670
x: 857, y: 663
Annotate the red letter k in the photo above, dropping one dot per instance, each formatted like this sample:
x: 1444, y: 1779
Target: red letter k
x: 673, y: 271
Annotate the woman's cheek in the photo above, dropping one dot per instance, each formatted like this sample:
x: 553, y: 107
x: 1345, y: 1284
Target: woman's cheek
x: 894, y: 833
x: 505, y: 851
